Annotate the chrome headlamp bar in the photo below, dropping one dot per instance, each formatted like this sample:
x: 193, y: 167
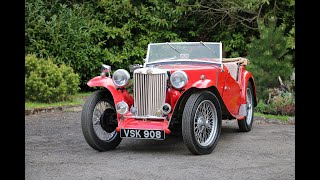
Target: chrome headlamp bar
x: 105, y: 69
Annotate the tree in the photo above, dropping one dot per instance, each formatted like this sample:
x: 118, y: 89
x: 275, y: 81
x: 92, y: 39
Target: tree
x: 268, y: 55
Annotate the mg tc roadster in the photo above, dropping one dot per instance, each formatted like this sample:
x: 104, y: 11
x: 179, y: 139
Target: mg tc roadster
x: 186, y: 88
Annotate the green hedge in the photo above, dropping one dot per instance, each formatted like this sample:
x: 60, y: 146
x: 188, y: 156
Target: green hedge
x: 47, y: 82
x: 85, y: 35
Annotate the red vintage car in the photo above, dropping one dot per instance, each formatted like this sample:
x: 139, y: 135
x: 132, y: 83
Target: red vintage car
x: 184, y: 87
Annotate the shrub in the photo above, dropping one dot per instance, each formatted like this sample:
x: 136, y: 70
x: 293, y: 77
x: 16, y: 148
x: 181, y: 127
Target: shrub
x: 281, y: 104
x: 262, y: 107
x: 86, y: 34
x: 47, y: 82
x: 67, y: 32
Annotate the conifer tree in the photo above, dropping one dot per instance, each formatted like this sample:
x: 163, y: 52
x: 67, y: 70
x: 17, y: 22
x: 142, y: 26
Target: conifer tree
x: 268, y: 56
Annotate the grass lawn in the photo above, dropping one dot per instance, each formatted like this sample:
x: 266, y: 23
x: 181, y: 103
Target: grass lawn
x: 270, y: 116
x: 77, y: 99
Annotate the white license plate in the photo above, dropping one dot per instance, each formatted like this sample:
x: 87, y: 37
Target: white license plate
x: 142, y: 134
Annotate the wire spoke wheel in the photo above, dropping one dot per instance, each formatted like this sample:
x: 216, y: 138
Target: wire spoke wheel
x: 249, y: 106
x: 98, y: 119
x: 205, y: 123
x: 99, y: 122
x: 201, y: 122
x: 245, y: 125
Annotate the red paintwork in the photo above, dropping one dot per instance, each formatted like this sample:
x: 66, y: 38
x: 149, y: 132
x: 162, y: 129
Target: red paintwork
x: 118, y: 94
x: 245, y: 76
x: 232, y: 92
x: 172, y: 97
x: 203, y: 83
x: 231, y: 95
x: 214, y: 77
x: 131, y: 123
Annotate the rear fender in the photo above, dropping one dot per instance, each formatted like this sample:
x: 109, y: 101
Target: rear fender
x: 248, y: 77
x: 117, y: 94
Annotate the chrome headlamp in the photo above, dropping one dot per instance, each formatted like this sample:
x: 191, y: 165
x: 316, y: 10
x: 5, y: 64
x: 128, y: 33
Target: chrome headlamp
x: 178, y: 79
x: 121, y: 77
x: 122, y: 107
x: 166, y: 109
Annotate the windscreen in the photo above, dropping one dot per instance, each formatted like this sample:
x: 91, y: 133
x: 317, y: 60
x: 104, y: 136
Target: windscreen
x: 184, y: 51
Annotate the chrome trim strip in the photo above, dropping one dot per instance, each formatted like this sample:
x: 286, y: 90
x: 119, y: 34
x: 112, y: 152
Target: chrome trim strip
x: 243, y: 110
x: 221, y: 55
x: 196, y: 42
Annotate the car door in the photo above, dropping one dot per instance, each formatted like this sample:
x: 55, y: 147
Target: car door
x: 231, y: 94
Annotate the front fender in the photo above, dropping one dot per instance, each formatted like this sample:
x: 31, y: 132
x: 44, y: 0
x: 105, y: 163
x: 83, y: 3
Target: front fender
x: 203, y: 83
x: 117, y: 94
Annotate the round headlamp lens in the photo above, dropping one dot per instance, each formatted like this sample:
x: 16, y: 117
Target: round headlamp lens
x: 122, y: 107
x: 133, y: 110
x: 178, y: 79
x: 121, y: 77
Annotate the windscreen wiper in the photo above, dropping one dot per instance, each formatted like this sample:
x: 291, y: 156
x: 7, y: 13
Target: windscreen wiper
x: 173, y: 48
x: 207, y: 47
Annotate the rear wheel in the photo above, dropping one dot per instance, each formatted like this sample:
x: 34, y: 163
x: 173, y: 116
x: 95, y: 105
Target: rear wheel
x: 245, y: 125
x: 201, y: 122
x: 99, y: 122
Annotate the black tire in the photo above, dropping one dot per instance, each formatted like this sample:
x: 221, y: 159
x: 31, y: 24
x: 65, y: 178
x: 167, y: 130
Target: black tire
x: 197, y: 101
x: 107, y: 121
x: 245, y: 125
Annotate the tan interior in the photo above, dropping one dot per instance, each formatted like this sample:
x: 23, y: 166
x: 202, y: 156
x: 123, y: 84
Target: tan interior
x: 233, y: 69
x: 232, y: 65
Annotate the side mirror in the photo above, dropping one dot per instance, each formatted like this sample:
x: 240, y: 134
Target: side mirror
x: 133, y: 67
x: 105, y: 69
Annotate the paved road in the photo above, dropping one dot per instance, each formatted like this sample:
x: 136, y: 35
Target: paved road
x: 55, y: 149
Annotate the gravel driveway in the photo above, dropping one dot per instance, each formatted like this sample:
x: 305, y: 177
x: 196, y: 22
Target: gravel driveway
x: 56, y: 149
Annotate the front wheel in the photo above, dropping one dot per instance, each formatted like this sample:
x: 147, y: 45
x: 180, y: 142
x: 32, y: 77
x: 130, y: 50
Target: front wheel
x: 201, y: 124
x: 99, y: 122
x: 245, y: 125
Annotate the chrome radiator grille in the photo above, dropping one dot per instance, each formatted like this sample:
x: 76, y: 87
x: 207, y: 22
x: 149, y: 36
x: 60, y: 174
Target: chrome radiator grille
x: 149, y: 92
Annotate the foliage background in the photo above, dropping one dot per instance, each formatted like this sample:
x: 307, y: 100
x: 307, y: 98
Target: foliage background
x: 85, y: 34
x: 47, y: 82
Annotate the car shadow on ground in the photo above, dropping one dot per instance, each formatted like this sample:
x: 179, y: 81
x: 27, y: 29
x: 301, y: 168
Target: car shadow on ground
x: 172, y: 144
